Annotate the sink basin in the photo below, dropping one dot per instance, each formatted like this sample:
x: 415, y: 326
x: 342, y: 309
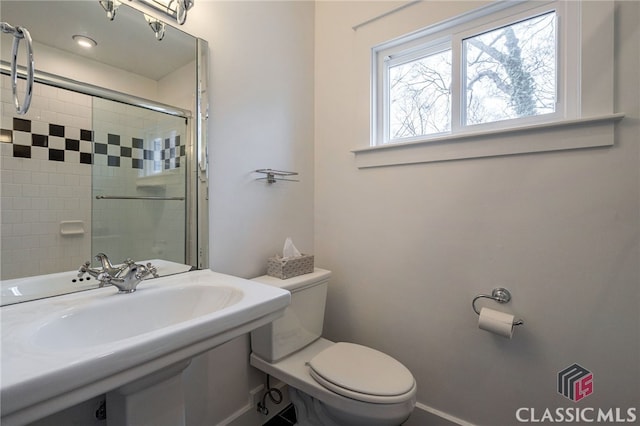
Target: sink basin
x: 60, y: 351
x: 131, y: 315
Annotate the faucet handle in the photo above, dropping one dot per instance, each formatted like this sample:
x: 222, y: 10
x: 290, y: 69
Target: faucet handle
x: 144, y: 270
x: 152, y: 270
x: 104, y: 278
x: 83, y: 269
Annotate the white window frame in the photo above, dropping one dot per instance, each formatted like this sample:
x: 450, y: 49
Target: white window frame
x: 389, y: 61
x: 575, y: 107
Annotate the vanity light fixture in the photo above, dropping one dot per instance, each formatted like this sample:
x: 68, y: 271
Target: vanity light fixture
x: 110, y: 6
x: 176, y: 9
x: 156, y: 26
x: 181, y: 9
x: 84, y: 41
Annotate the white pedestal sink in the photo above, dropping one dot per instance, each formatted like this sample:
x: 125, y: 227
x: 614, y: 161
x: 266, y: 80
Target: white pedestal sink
x: 61, y: 351
x: 155, y: 400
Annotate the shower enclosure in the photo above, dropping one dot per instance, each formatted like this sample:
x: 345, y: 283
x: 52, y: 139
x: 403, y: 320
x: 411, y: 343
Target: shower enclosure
x: 138, y: 183
x: 110, y: 178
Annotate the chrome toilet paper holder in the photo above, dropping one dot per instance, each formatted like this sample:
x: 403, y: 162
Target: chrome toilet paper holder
x: 500, y: 295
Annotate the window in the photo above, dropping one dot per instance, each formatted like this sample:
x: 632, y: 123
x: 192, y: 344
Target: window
x: 510, y: 72
x: 507, y: 71
x: 506, y: 78
x: 420, y: 94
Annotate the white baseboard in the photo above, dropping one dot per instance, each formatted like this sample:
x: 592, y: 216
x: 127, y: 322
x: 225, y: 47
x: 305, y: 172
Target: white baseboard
x: 249, y: 416
x: 424, y: 415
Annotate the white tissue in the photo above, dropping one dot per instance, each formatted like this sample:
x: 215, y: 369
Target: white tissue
x: 290, y: 250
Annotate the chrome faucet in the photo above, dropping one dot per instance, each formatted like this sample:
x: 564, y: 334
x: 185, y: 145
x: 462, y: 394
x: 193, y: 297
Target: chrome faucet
x: 106, y: 267
x: 125, y: 277
x: 129, y: 278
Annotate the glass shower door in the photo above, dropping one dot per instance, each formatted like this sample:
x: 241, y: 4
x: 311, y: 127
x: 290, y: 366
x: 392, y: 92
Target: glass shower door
x: 138, y: 183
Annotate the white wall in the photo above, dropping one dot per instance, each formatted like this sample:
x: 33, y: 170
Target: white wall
x: 179, y: 88
x: 261, y: 83
x: 261, y: 94
x: 410, y: 246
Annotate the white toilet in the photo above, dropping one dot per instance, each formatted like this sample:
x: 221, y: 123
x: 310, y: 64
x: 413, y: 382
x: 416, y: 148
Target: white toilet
x: 330, y: 384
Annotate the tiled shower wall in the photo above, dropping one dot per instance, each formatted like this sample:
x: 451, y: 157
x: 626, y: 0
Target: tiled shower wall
x: 46, y: 180
x: 46, y: 164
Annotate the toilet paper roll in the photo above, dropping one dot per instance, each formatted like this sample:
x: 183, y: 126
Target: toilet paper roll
x: 496, y: 322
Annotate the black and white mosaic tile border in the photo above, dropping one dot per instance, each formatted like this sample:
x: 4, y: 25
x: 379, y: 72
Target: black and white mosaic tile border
x: 57, y: 145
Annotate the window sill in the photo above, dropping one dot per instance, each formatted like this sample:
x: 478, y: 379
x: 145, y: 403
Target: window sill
x: 563, y: 135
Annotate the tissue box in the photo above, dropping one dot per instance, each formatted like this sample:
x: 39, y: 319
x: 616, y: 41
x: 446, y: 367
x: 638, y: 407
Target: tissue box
x: 287, y: 268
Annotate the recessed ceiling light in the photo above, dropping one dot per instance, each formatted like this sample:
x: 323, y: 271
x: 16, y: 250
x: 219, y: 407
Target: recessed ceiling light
x: 84, y: 41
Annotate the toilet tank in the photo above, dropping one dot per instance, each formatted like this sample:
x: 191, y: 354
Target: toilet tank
x: 302, y: 321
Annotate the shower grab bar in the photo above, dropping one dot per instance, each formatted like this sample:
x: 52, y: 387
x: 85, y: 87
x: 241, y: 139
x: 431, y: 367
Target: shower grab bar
x: 127, y: 197
x: 18, y: 34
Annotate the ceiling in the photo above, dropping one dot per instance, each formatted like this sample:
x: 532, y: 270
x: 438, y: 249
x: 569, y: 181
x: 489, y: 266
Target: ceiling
x: 127, y: 42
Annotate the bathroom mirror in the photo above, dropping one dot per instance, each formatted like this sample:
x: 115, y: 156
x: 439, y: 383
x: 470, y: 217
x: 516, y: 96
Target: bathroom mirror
x: 111, y: 156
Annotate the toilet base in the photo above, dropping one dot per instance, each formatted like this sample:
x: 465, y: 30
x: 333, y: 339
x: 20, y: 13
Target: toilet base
x: 309, y: 411
x: 312, y: 412
x: 343, y: 411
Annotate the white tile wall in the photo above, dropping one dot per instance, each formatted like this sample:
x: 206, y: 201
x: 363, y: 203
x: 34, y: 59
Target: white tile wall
x: 36, y: 194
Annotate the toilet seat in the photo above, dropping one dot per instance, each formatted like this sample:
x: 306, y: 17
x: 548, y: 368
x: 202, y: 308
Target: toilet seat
x: 362, y: 373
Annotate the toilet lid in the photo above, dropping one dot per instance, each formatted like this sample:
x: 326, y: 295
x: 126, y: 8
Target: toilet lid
x: 362, y: 373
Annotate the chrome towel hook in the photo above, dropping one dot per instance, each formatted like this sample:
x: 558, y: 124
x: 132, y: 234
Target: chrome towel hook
x: 20, y: 33
x: 500, y: 295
